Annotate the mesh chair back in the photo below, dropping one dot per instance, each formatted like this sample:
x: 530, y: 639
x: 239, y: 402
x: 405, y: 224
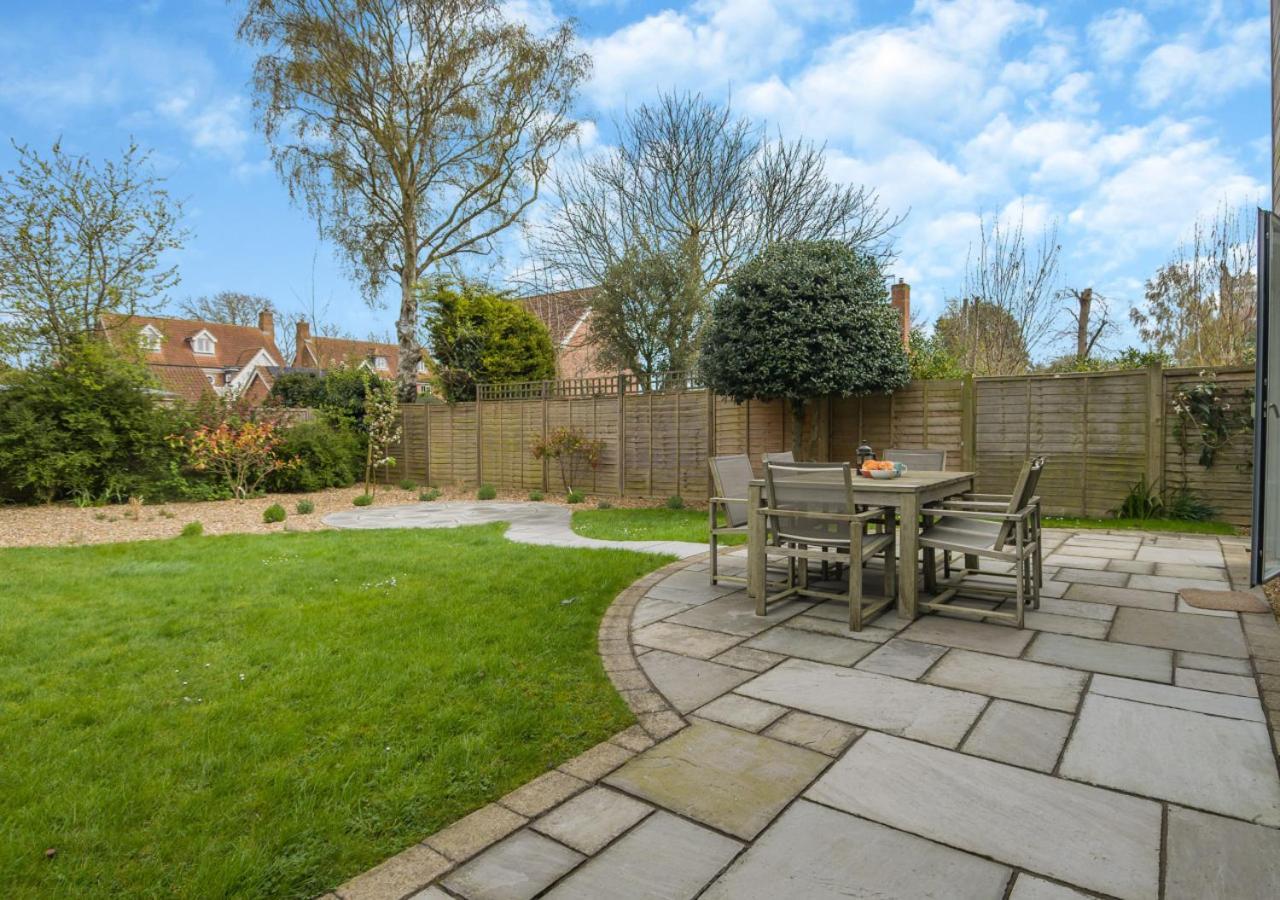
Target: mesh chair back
x: 786, y: 456
x: 1023, y: 492
x: 809, y: 487
x: 919, y: 460
x: 731, y: 476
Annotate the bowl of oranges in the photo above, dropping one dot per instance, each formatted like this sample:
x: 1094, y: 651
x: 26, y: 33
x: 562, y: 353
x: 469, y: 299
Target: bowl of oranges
x: 881, y: 469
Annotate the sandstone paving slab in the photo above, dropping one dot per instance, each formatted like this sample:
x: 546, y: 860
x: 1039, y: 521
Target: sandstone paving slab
x: 840, y: 628
x: 1097, y: 593
x: 592, y: 819
x: 1080, y: 627
x: 1052, y: 687
x: 1199, y: 680
x: 1022, y: 735
x: 1184, y: 607
x: 682, y: 639
x: 1084, y: 835
x: 1172, y: 584
x: 741, y: 712
x: 827, y: 736
x: 1176, y: 631
x: 839, y: 612
x: 826, y: 648
x: 1103, y: 552
x: 649, y: 610
x: 1216, y: 704
x: 1224, y: 664
x: 821, y: 854
x: 1212, y: 856
x: 1103, y: 577
x: 1102, y: 612
x: 735, y: 614
x: 1132, y: 566
x: 1151, y: 663
x: 406, y: 871
x: 746, y: 658
x: 729, y: 779
x: 1195, y: 556
x: 1178, y: 570
x: 689, y: 587
x: 662, y: 858
x: 1068, y: 560
x: 1209, y: 762
x: 1028, y: 887
x: 981, y: 636
x: 907, y: 708
x: 689, y: 683
x: 431, y: 892
x: 517, y: 868
x: 902, y: 658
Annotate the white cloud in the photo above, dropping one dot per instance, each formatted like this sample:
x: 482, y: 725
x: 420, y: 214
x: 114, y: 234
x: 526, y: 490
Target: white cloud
x: 1184, y: 71
x: 216, y: 126
x: 1117, y: 35
x: 712, y: 45
x: 1149, y: 202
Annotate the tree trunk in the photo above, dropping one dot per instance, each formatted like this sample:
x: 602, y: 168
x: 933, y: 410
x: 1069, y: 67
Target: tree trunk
x: 407, y: 323
x: 797, y: 429
x: 1085, y: 298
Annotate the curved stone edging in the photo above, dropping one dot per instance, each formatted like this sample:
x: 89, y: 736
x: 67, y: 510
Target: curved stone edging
x: 528, y: 523
x: 652, y: 710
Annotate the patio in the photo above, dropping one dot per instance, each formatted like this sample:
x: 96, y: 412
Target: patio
x: 1118, y: 745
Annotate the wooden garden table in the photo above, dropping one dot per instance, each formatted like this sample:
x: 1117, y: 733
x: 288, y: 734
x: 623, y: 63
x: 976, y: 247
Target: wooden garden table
x: 907, y: 495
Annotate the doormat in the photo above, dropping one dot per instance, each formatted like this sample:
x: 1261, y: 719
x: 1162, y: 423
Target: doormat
x: 1234, y: 601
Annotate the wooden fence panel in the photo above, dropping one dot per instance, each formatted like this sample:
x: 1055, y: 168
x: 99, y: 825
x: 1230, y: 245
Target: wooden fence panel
x: 1102, y: 432
x: 1227, y: 485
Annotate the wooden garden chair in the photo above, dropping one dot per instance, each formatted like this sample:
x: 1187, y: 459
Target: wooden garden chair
x: 925, y: 460
x: 1003, y: 527
x: 730, y: 478
x: 812, y: 516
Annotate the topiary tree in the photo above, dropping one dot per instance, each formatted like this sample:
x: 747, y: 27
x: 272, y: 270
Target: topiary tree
x: 804, y: 319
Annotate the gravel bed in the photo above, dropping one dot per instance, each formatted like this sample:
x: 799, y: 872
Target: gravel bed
x: 60, y: 524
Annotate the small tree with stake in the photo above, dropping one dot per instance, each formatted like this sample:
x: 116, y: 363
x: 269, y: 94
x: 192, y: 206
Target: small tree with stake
x: 804, y: 319
x: 382, y: 420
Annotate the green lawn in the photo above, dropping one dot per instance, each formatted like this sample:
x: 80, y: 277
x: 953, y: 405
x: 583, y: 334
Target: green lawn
x: 1185, y: 526
x: 660, y: 524
x: 266, y: 716
x: 663, y: 524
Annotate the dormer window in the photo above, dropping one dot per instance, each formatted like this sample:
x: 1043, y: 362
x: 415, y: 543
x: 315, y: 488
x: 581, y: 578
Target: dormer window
x: 422, y: 366
x: 203, y: 343
x: 150, y: 339
x: 380, y: 363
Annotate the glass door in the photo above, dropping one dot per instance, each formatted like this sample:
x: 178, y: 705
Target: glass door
x: 1266, y: 455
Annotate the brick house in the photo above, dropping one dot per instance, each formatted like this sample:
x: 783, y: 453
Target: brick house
x: 567, y: 315
x: 320, y: 353
x: 192, y: 358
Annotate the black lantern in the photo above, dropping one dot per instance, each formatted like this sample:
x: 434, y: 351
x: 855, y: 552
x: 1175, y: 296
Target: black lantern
x: 865, y: 453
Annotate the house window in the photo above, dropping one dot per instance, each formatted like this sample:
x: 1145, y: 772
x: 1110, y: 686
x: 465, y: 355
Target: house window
x: 380, y: 363
x: 203, y: 344
x: 422, y: 366
x: 150, y: 339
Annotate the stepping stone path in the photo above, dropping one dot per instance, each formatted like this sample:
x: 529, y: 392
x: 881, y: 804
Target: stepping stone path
x: 1119, y: 745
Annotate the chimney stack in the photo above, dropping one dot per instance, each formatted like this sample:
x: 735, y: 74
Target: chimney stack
x: 302, y: 334
x: 900, y: 297
x: 267, y: 323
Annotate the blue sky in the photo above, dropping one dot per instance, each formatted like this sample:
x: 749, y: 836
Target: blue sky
x: 1120, y: 122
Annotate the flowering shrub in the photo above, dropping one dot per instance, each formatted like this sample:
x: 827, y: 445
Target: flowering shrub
x: 242, y: 454
x: 570, y: 447
x: 382, y: 421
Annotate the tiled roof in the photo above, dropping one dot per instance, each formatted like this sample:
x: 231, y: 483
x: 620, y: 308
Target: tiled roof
x: 560, y: 311
x: 234, y: 345
x: 325, y: 352
x: 186, y: 382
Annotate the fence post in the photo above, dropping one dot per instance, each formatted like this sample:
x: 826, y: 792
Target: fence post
x: 546, y: 482
x: 711, y: 438
x: 1084, y: 445
x: 426, y: 433
x: 622, y: 434
x: 1155, y: 429
x: 479, y: 440
x: 969, y: 424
